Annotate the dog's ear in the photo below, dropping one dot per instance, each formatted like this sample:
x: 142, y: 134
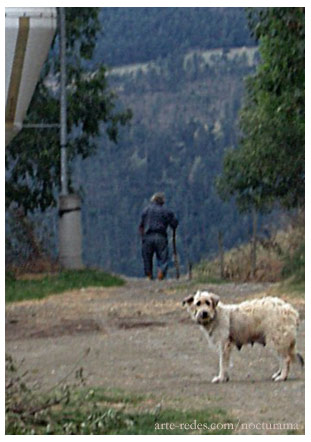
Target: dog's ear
x: 215, y: 299
x: 188, y: 300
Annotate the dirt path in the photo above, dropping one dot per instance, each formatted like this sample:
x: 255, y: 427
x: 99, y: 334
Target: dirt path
x: 141, y: 340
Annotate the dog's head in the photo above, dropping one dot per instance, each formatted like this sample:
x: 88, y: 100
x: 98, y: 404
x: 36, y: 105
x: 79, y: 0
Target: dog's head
x: 202, y: 306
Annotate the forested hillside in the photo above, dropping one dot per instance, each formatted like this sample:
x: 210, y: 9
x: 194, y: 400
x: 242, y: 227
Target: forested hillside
x: 185, y: 113
x: 181, y: 71
x: 134, y: 35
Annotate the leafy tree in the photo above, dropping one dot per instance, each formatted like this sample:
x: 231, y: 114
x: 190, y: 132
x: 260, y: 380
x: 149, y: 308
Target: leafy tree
x: 268, y: 165
x: 33, y: 157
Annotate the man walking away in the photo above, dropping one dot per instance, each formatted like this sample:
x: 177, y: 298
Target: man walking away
x: 155, y: 220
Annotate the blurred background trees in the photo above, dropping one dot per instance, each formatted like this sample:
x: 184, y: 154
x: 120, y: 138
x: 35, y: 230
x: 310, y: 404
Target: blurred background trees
x: 268, y: 165
x: 194, y: 122
x: 33, y: 157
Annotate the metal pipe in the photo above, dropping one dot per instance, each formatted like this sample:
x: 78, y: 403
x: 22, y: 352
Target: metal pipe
x: 63, y: 104
x: 41, y: 126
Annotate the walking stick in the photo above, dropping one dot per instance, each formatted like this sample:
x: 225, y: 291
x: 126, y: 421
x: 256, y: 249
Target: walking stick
x: 176, y: 263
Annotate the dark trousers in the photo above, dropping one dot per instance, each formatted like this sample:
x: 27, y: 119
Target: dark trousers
x: 155, y: 243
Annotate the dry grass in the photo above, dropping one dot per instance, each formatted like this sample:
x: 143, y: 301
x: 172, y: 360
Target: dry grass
x: 273, y: 256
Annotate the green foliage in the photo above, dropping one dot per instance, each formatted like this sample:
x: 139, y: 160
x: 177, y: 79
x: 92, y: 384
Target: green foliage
x: 268, y: 166
x: 82, y: 28
x: 18, y: 290
x: 72, y: 410
x: 33, y: 157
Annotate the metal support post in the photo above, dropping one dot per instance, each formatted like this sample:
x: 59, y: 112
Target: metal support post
x: 70, y: 231
x: 63, y: 103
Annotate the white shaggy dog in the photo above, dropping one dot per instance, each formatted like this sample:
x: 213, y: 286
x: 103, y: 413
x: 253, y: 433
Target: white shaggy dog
x: 268, y: 321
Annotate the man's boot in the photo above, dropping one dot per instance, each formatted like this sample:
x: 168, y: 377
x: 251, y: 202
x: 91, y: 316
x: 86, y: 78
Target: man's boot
x: 160, y: 275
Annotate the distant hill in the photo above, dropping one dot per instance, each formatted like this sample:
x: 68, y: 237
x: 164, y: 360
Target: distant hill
x: 138, y: 35
x: 185, y: 116
x: 181, y: 71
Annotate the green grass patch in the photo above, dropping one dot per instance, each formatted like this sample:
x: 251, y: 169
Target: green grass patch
x: 204, y: 279
x: 98, y: 412
x: 21, y: 289
x: 293, y: 271
x: 292, y: 287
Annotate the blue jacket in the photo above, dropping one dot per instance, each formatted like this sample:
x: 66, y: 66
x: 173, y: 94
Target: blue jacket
x: 155, y: 219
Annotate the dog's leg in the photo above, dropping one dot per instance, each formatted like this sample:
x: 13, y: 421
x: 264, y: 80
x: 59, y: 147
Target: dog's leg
x: 224, y: 359
x: 278, y: 372
x: 282, y: 374
x: 286, y: 358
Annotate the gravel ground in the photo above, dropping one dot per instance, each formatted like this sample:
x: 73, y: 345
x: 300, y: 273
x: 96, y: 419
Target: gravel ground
x: 141, y: 340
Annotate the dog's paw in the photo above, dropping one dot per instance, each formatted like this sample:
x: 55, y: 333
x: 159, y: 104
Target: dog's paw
x: 276, y: 374
x: 280, y: 378
x: 219, y: 379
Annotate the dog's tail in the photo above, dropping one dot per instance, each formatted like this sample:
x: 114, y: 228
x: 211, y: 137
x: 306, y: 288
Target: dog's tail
x: 300, y: 359
x: 294, y: 355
